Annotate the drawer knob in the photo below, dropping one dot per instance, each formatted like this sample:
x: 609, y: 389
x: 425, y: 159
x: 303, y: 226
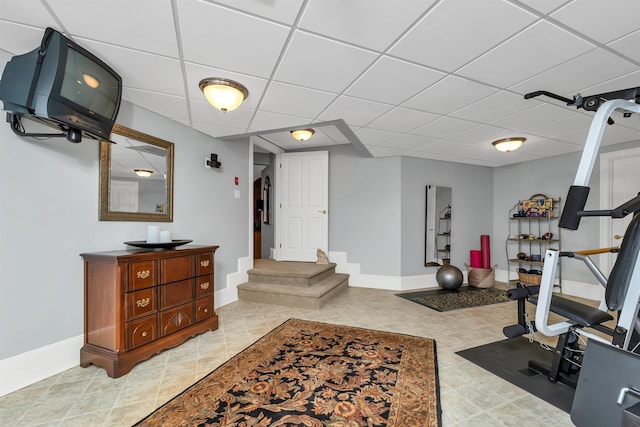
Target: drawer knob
x: 206, y: 310
x: 143, y: 274
x: 144, y: 334
x: 204, y: 263
x: 204, y: 285
x: 143, y: 302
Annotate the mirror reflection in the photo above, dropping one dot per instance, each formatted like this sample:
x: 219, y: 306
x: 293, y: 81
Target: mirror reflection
x: 437, y: 226
x: 136, y: 177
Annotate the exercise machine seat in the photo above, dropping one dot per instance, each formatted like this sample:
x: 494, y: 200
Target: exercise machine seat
x: 620, y: 276
x: 582, y: 314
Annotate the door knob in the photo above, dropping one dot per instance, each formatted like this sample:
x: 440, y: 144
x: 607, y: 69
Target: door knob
x: 323, y: 211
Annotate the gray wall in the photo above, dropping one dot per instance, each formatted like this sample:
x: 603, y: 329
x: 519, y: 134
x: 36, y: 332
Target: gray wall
x: 50, y: 216
x: 471, y: 209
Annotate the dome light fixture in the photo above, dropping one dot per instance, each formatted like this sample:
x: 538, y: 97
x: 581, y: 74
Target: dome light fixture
x: 223, y: 94
x: 302, y: 134
x: 144, y: 173
x: 508, y: 144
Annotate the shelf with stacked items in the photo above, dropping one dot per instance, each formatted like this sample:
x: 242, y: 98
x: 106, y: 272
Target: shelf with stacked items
x: 443, y: 236
x: 533, y: 228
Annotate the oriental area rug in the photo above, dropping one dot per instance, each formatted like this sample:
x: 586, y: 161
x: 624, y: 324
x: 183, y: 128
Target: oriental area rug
x: 315, y: 374
x: 465, y: 297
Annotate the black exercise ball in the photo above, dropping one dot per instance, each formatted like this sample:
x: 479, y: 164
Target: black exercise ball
x: 449, y: 277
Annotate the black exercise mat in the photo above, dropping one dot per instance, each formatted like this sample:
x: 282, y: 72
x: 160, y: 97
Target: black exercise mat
x: 464, y: 297
x: 509, y: 359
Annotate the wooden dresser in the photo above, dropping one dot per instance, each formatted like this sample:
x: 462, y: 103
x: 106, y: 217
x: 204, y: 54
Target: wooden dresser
x: 139, y: 302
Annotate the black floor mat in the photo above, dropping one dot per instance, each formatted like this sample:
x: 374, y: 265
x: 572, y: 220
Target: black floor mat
x: 509, y: 359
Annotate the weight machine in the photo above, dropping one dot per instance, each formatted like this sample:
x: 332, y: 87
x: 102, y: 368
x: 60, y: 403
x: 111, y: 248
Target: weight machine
x: 622, y: 290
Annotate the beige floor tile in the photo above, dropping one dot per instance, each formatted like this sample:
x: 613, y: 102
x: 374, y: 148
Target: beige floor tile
x: 470, y: 395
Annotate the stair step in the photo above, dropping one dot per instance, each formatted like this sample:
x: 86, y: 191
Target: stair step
x: 290, y: 273
x: 313, y: 296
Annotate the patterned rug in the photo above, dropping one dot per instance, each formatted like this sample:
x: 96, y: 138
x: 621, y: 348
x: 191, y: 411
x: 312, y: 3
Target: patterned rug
x: 465, y: 297
x: 315, y: 374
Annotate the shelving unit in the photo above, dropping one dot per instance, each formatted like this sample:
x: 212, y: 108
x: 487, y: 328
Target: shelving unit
x: 443, y: 240
x: 532, y: 236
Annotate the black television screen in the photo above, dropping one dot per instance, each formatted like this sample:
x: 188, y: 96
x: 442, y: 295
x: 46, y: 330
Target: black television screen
x: 63, y: 85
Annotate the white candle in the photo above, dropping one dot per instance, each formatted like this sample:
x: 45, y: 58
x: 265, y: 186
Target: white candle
x: 153, y: 234
x: 165, y: 236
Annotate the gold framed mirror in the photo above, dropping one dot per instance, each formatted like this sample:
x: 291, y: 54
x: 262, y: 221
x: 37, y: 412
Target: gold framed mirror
x: 136, y: 177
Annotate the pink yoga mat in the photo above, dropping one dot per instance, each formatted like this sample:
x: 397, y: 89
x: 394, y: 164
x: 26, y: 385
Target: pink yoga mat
x: 485, y: 248
x: 476, y: 259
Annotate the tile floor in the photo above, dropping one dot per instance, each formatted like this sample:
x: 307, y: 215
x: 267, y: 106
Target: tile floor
x: 470, y: 396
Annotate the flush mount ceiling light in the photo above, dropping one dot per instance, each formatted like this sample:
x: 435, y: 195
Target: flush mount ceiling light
x: 302, y: 134
x: 509, y: 144
x: 145, y: 173
x: 223, y: 94
x: 91, y: 81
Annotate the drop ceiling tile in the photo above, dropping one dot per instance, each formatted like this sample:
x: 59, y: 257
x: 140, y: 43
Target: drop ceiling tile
x: 218, y: 37
x: 18, y: 39
x: 354, y: 111
x: 442, y: 146
x: 174, y: 107
x: 286, y: 99
x: 402, y: 120
x: 483, y: 134
x: 282, y: 11
x: 449, y: 94
x: 548, y: 147
x: 535, y: 116
x: 590, y: 17
x: 216, y: 131
x: 371, y: 137
x: 619, y: 134
x: 373, y: 24
x: 443, y: 127
x: 143, y: 25
x: 33, y: 15
x: 408, y: 141
x: 141, y: 70
x: 495, y: 107
x: 577, y: 74
x: 457, y: 31
x: 557, y: 127
x: 628, y: 81
x: 264, y: 121
x: 628, y: 46
x: 195, y: 73
x: 202, y: 111
x: 544, y: 6
x: 526, y: 55
x: 375, y: 85
x: 327, y: 65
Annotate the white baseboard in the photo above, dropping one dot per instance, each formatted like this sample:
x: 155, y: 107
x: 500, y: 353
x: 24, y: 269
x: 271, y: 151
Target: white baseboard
x: 230, y: 292
x: 27, y: 368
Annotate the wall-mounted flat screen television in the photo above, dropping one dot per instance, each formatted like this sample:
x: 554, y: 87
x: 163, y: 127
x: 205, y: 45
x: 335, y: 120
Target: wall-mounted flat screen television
x: 63, y: 85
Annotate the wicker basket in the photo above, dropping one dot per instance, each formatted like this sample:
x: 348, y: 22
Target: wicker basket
x: 481, y: 277
x: 530, y: 279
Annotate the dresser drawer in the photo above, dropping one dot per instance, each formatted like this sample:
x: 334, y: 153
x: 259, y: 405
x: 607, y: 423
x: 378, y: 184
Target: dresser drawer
x: 141, y: 303
x: 176, y: 268
x: 204, y: 264
x: 176, y: 318
x: 142, y: 275
x: 204, y: 308
x: 204, y: 285
x: 141, y: 331
x: 175, y: 293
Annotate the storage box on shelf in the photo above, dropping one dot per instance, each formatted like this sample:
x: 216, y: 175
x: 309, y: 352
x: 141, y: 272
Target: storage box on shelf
x: 533, y: 228
x: 140, y: 302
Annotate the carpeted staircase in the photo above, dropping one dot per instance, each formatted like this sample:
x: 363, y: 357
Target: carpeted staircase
x: 294, y: 284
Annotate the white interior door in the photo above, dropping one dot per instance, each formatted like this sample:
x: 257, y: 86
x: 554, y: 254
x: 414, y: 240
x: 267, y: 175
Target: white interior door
x: 302, y: 201
x: 619, y: 182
